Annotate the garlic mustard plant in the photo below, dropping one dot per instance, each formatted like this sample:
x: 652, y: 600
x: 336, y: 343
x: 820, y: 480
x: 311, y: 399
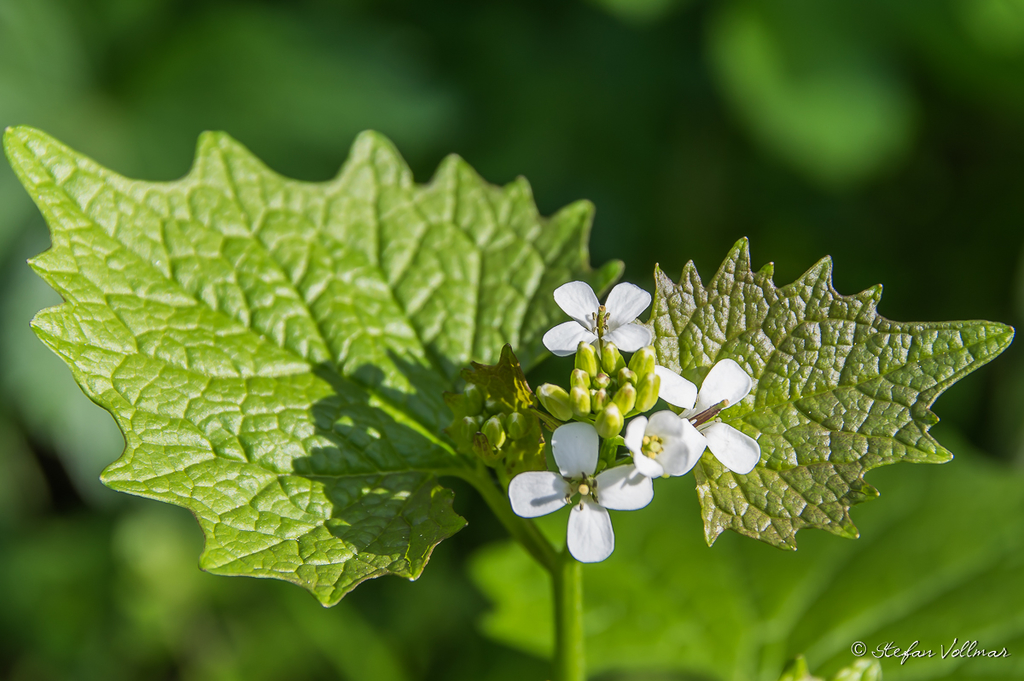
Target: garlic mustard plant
x: 283, y: 359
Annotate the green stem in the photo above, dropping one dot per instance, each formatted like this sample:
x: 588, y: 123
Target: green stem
x: 566, y: 575
x: 609, y: 447
x: 568, y: 584
x: 521, y: 529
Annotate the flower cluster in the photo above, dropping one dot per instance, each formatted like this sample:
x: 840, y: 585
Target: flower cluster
x: 604, y: 391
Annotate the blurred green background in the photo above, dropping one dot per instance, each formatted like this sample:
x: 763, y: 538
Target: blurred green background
x: 886, y: 133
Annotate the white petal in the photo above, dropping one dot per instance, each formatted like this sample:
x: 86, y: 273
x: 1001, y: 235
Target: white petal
x: 675, y: 389
x: 681, y: 454
x: 574, y: 446
x: 590, y: 538
x: 624, y: 488
x: 726, y: 381
x: 665, y: 425
x: 737, y: 451
x: 646, y: 466
x: 624, y: 305
x: 578, y: 301
x: 634, y: 437
x: 563, y: 339
x: 537, y: 493
x: 630, y: 338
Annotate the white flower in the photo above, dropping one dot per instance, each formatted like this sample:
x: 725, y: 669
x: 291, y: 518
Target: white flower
x: 614, y: 321
x: 726, y: 382
x: 664, y: 445
x: 535, y: 493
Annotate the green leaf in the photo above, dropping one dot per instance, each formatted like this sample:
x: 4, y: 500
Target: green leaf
x: 839, y: 390
x: 275, y: 352
x: 942, y: 557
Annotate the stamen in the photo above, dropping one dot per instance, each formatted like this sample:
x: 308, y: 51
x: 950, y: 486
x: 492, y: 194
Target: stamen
x: 708, y: 414
x: 652, y: 446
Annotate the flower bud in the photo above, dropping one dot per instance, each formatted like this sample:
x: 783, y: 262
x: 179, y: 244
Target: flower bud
x: 482, y: 448
x: 598, y: 400
x: 516, y: 425
x: 473, y: 399
x: 642, y: 362
x: 602, y: 380
x: 580, y: 379
x: 579, y: 398
x: 609, y: 421
x: 470, y: 426
x: 625, y: 376
x: 647, y: 391
x: 611, y: 360
x: 586, y: 358
x: 492, y: 406
x: 494, y: 431
x: 555, y: 400
x: 625, y: 398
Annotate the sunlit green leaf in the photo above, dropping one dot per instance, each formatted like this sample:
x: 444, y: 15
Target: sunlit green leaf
x: 838, y: 390
x: 275, y: 352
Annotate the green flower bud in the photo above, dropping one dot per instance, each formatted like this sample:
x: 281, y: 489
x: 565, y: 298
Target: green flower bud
x: 586, y: 358
x: 517, y: 425
x: 598, y: 400
x: 647, y: 392
x: 494, y: 431
x: 625, y: 398
x: 579, y: 398
x: 609, y: 421
x: 611, y: 360
x: 470, y: 426
x: 492, y: 406
x: 602, y: 380
x: 474, y: 399
x: 626, y: 375
x: 642, y: 362
x: 580, y: 379
x: 555, y: 400
x: 482, y: 448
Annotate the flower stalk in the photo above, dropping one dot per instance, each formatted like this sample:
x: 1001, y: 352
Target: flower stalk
x: 567, y: 578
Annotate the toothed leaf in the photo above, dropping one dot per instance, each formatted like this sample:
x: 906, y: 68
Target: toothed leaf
x: 838, y: 390
x: 275, y: 352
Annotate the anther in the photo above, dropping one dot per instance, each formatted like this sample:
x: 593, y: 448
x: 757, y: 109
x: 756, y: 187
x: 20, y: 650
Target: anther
x: 709, y: 413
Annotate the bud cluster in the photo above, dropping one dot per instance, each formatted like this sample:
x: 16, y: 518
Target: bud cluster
x: 486, y: 425
x: 604, y: 390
